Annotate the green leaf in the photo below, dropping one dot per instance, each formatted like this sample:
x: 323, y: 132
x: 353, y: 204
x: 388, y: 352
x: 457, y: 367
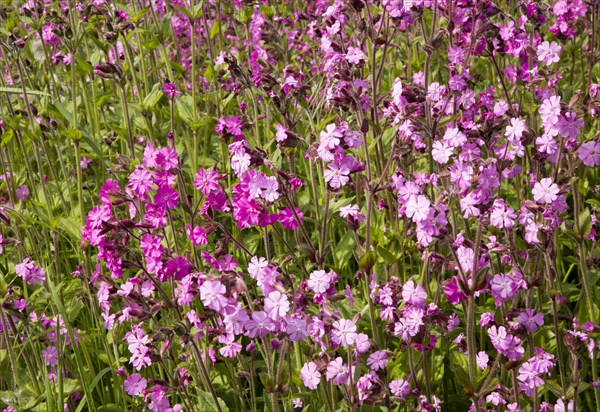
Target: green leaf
x: 388, y: 256
x: 18, y: 90
x: 595, y: 203
x: 343, y: 249
x: 215, y: 29
x: 153, y: 97
x: 184, y: 106
x: 206, y: 403
x: 137, y: 16
x: 209, y: 73
x: 585, y: 223
x: 462, y: 378
x: 187, y: 12
x: 367, y: 261
x: 198, y: 10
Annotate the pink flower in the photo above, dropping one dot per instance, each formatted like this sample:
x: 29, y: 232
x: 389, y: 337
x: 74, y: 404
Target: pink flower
x: 482, y: 360
x: 212, y: 295
x: 549, y: 111
x: 352, y: 211
x: 454, y: 137
x: 400, y: 388
x: 336, y: 174
x: 30, y: 272
x: 260, y: 325
x: 277, y: 305
x: 310, y: 375
x: 547, y: 53
x: 589, y: 153
x: 414, y: 295
x: 344, y: 332
x: 50, y: 355
x: 417, y: 208
x: 516, y: 129
x: 545, y: 191
x: 441, y: 151
x: 135, y: 384
x: 378, y: 360
x: 502, y: 216
x: 546, y: 144
x: 84, y: 162
x: 338, y: 371
x: 354, y: 55
x: 330, y: 138
x: 319, y: 281
x: 362, y: 343
x: 207, y: 181
x: 503, y: 288
x: 22, y: 193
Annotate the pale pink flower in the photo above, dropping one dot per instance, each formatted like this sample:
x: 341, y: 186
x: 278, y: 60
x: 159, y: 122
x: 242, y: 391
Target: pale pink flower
x: 547, y: 52
x: 417, y: 208
x: 344, y: 332
x: 277, y: 305
x: 310, y: 375
x: 545, y: 191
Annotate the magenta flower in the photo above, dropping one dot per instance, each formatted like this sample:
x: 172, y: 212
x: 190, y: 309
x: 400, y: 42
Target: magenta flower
x: 170, y: 90
x: 166, y: 197
x: 167, y: 158
x: 140, y: 182
x: 196, y: 235
x: 207, y: 181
